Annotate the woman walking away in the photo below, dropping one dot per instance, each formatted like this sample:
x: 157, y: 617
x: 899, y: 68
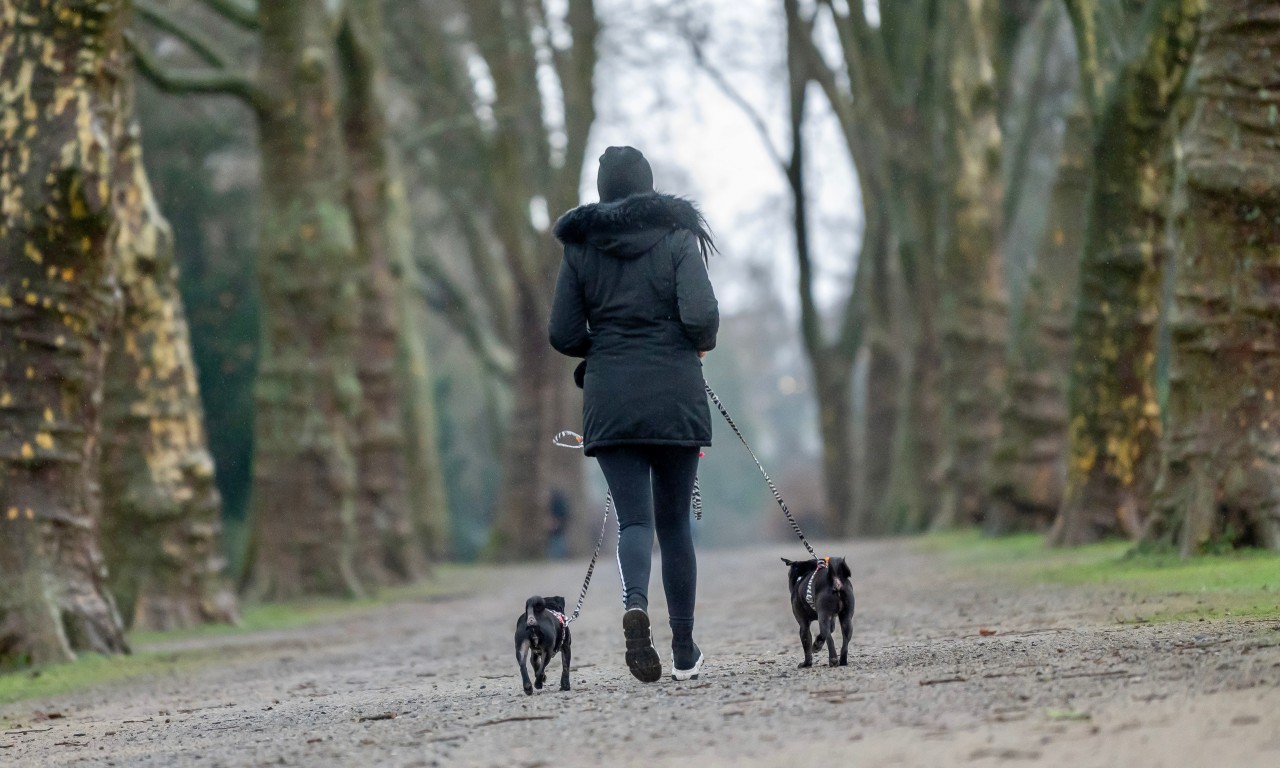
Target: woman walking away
x: 633, y: 297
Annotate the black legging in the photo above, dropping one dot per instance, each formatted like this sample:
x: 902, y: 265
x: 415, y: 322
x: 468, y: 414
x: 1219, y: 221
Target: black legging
x: 652, y: 487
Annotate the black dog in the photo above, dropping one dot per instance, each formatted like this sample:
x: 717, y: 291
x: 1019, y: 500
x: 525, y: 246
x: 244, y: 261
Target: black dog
x: 543, y: 631
x: 821, y: 591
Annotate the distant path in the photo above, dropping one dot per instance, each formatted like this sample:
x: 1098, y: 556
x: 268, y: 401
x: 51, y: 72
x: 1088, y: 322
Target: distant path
x: 1059, y: 683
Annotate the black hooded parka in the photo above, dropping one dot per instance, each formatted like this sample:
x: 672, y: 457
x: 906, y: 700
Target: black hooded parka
x: 634, y: 298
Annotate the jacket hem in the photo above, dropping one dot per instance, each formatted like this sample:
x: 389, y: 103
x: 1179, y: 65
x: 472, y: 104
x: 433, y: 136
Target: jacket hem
x: 591, y: 447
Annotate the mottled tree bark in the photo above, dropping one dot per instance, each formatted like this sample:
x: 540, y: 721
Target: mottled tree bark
x: 973, y: 312
x: 881, y: 341
x: 915, y: 482
x: 60, y: 64
x: 161, y: 509
x: 388, y: 549
x: 1029, y: 465
x: 1114, y: 416
x: 1220, y: 469
x: 303, y: 510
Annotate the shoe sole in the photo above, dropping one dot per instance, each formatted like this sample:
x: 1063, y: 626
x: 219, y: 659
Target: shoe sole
x: 680, y: 675
x: 642, y: 657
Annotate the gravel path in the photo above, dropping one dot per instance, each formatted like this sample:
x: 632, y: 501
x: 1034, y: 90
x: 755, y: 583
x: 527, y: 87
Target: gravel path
x: 944, y: 670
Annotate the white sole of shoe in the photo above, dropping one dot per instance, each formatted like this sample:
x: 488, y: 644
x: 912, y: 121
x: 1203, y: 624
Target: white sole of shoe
x: 680, y: 675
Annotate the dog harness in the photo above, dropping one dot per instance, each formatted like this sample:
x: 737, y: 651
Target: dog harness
x: 562, y: 628
x: 808, y: 590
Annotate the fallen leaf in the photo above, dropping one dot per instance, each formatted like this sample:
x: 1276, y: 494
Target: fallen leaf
x: 986, y: 632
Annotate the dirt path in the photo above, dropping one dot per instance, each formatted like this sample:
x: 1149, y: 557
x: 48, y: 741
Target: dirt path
x: 1061, y: 682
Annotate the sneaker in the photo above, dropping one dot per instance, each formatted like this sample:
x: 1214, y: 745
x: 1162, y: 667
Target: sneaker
x: 642, y: 657
x: 691, y: 673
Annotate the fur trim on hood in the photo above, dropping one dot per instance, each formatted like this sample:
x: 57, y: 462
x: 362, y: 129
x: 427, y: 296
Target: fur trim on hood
x: 621, y: 221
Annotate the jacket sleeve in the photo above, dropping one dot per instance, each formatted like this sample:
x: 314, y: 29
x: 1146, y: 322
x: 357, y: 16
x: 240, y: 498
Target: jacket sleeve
x: 699, y: 311
x: 567, y: 328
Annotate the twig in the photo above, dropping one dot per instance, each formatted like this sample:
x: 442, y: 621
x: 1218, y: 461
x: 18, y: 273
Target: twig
x: 514, y: 719
x: 218, y: 81
x: 33, y: 730
x: 383, y: 716
x: 1108, y: 673
x: 942, y: 680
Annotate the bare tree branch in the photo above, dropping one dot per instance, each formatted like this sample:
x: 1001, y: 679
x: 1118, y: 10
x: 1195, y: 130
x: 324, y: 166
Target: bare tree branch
x: 752, y: 114
x: 243, y: 13
x: 865, y: 59
x: 206, y: 81
x: 160, y: 17
x: 1084, y: 25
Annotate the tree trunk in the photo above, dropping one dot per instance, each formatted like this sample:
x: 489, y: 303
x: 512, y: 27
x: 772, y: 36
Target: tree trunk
x: 388, y: 549
x: 1114, y: 415
x: 60, y: 64
x: 974, y: 310
x: 1028, y: 469
x: 1220, y: 469
x: 520, y: 530
x: 308, y: 390
x: 833, y: 385
x: 914, y: 485
x: 882, y: 347
x: 161, y: 510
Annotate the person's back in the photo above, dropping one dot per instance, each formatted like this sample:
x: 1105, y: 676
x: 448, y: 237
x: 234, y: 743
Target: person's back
x: 634, y: 299
x: 639, y: 304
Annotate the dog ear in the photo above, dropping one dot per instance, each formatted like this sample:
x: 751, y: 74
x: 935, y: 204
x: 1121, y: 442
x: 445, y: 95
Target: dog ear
x: 788, y: 562
x: 556, y: 603
x: 843, y: 569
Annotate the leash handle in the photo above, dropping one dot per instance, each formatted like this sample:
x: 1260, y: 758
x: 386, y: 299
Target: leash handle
x: 567, y: 438
x: 582, y: 596
x: 777, y: 496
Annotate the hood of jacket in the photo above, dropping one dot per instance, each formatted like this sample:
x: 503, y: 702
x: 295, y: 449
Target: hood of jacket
x: 629, y: 227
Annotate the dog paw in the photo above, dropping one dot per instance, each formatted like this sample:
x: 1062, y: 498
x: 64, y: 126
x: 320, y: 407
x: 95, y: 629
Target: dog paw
x: 564, y: 686
x: 528, y: 689
x: 804, y: 664
x: 538, y: 685
x: 844, y: 662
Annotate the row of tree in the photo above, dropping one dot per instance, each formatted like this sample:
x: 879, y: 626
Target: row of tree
x: 110, y: 513
x: 1161, y: 220
x: 416, y: 153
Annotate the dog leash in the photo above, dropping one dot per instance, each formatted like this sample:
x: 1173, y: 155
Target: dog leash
x: 586, y: 583
x: 777, y: 496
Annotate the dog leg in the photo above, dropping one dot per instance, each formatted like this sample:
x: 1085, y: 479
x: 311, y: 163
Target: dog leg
x: 564, y: 668
x: 539, y: 670
x: 846, y: 629
x: 806, y: 642
x: 522, y: 656
x: 827, y: 626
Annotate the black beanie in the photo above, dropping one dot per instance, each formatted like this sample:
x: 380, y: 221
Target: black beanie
x: 623, y: 171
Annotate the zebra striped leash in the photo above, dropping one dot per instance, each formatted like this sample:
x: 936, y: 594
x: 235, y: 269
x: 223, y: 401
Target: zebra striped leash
x: 777, y: 496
